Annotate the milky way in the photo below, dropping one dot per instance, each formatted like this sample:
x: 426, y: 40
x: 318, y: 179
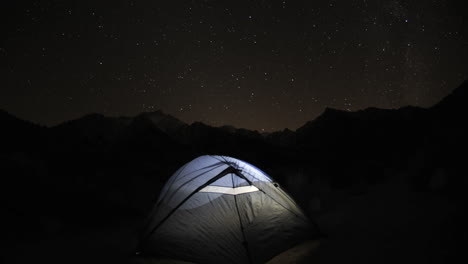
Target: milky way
x: 263, y: 65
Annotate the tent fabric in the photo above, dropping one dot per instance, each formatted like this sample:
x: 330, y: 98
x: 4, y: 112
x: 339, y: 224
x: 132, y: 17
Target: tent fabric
x: 218, y: 209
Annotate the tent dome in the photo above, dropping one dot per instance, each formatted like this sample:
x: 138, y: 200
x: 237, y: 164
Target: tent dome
x: 218, y: 209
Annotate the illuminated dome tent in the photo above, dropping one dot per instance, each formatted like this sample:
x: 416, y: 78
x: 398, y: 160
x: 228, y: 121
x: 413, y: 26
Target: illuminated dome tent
x: 217, y: 209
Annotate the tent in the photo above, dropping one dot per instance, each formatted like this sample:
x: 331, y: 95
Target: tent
x: 218, y: 209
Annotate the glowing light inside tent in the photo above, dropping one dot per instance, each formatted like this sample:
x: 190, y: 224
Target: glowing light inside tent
x: 228, y: 190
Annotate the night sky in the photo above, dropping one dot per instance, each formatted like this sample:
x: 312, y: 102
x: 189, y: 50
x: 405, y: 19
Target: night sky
x: 263, y: 65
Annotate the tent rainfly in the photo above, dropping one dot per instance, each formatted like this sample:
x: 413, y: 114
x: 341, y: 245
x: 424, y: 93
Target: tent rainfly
x: 218, y: 209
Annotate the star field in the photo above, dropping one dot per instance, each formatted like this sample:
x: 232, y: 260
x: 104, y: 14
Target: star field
x: 263, y: 65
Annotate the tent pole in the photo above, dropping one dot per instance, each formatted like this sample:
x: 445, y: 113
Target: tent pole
x: 241, y: 225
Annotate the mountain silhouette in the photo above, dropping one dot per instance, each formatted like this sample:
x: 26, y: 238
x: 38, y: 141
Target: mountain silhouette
x: 17, y: 134
x: 166, y: 123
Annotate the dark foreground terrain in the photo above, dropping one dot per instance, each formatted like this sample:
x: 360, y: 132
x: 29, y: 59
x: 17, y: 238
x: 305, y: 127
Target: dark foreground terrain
x: 384, y: 186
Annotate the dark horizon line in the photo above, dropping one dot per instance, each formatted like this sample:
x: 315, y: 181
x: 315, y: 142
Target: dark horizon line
x: 227, y: 125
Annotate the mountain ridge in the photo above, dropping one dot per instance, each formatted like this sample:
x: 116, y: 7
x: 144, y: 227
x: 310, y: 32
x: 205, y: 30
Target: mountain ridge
x: 96, y: 126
